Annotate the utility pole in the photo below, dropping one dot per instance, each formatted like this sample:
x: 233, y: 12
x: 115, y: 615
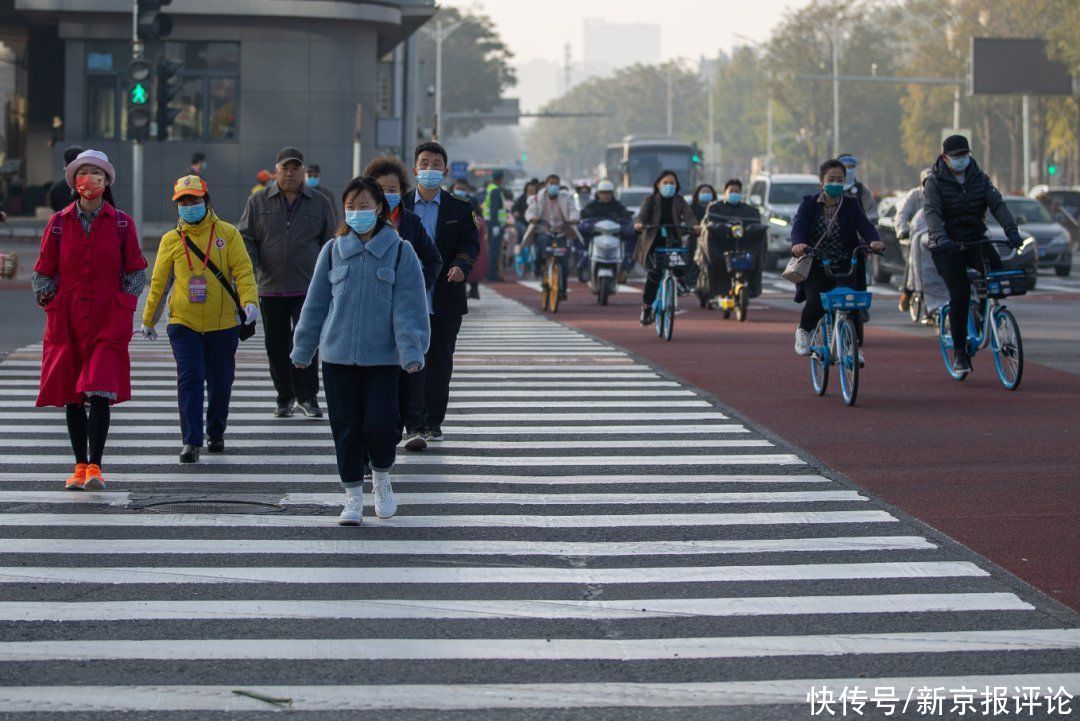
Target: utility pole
x: 136, y: 145
x: 670, y: 106
x: 835, y: 95
x: 566, y: 67
x: 769, y: 129
x: 1027, y: 142
x: 439, y: 34
x: 714, y: 160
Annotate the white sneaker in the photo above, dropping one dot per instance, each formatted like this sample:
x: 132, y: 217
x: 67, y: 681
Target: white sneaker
x: 802, y: 342
x: 385, y: 504
x: 353, y: 512
x: 862, y: 361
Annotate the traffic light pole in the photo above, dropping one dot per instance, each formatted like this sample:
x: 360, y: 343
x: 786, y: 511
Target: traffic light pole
x: 137, y: 146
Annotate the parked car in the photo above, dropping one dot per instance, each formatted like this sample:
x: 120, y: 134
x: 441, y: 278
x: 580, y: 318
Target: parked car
x: 893, y: 260
x: 633, y: 197
x: 1032, y: 216
x: 777, y: 197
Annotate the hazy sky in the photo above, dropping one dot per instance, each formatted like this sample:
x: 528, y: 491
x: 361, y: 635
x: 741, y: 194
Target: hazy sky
x: 538, y: 29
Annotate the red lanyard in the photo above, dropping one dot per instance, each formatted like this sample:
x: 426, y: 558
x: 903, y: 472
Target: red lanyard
x: 206, y: 255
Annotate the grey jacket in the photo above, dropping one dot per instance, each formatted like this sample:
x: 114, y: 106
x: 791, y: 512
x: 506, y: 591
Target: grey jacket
x: 284, y: 255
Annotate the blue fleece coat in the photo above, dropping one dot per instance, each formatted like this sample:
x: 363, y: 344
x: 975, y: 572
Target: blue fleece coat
x: 362, y: 310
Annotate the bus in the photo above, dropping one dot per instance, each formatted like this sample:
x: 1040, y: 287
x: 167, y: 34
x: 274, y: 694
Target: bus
x: 638, y: 159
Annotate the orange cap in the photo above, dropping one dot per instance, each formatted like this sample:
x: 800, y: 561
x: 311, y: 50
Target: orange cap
x: 263, y: 176
x: 189, y: 185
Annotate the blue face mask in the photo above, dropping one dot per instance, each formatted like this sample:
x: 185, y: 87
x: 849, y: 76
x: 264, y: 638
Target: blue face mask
x: 392, y: 200
x: 705, y: 197
x: 734, y: 198
x: 849, y: 178
x: 834, y: 190
x: 313, y: 181
x: 192, y: 214
x: 553, y: 191
x: 959, y: 164
x: 361, y: 220
x: 460, y: 192
x: 667, y: 190
x: 430, y: 179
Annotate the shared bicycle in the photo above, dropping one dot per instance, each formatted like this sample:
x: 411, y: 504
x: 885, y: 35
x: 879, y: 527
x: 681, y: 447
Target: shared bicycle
x: 990, y: 324
x: 671, y: 259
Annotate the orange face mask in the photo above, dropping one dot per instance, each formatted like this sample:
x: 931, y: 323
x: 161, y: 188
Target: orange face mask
x: 90, y: 187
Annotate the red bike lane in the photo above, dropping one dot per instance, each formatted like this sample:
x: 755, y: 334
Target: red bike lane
x: 998, y: 471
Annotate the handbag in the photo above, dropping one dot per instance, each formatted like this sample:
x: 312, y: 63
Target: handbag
x: 797, y: 270
x: 246, y: 329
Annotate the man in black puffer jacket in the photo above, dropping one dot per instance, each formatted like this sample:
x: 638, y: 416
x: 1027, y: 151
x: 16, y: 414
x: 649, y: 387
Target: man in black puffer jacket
x: 957, y: 196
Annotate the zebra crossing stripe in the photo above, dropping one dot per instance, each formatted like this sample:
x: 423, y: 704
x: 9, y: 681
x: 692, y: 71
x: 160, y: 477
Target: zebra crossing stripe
x: 303, y: 427
x: 776, y: 459
x: 660, y: 417
x: 326, y: 443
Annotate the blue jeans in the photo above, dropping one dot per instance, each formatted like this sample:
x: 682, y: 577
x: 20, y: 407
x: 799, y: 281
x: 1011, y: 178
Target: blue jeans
x: 203, y: 359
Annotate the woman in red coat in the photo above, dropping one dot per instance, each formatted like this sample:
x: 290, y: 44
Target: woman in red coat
x: 88, y: 278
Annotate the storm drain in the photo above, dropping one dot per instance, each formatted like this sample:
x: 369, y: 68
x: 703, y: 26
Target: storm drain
x: 208, y: 504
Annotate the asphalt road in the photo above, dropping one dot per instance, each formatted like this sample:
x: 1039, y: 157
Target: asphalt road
x: 595, y: 539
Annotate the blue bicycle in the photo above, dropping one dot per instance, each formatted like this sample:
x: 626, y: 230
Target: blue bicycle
x: 989, y: 323
x: 835, y: 339
x: 671, y: 259
x: 524, y: 259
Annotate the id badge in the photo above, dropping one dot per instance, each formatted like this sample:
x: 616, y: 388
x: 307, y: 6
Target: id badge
x: 197, y: 289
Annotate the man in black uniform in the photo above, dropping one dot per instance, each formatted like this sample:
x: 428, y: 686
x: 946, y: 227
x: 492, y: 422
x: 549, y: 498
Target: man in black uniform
x: 449, y: 221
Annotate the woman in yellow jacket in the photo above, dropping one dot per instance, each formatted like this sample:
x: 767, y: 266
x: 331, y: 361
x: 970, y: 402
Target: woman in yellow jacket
x: 203, y: 318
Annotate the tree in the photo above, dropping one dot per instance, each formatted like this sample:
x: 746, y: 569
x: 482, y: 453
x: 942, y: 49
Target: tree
x: 475, y: 64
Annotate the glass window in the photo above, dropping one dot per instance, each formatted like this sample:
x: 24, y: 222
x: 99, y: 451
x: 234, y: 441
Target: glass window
x: 190, y: 102
x: 791, y: 193
x: 1032, y: 211
x: 107, y: 56
x: 223, y: 102
x: 101, y: 104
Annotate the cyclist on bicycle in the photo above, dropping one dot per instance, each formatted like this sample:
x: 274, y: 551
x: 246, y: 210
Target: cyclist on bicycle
x: 957, y: 196
x: 554, y: 207
x: 664, y: 208
x: 835, y: 224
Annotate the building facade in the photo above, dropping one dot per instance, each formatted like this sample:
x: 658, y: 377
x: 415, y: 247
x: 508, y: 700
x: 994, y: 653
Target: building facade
x: 256, y: 75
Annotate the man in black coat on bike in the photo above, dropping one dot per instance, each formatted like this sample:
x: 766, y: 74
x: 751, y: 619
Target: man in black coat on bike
x: 957, y: 195
x: 716, y: 239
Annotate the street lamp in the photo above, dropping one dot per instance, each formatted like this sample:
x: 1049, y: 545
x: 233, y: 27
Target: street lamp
x: 768, y: 108
x: 439, y: 34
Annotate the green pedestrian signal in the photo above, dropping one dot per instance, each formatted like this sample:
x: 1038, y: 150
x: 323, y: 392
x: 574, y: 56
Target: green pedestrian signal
x: 524, y: 157
x: 139, y: 96
x: 695, y: 158
x: 1051, y: 169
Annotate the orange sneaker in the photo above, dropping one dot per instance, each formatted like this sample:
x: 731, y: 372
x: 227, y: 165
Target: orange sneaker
x: 78, y: 478
x: 94, y: 480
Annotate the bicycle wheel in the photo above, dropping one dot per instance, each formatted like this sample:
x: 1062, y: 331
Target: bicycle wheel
x: 1008, y: 349
x: 607, y: 287
x: 554, y: 278
x: 819, y: 356
x: 742, y: 303
x: 519, y: 264
x: 945, y: 341
x: 847, y: 351
x: 669, y: 311
x: 915, y: 307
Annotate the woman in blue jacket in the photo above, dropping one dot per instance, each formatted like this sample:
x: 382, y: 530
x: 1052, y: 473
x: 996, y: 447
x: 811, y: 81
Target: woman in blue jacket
x: 836, y: 225
x: 366, y: 314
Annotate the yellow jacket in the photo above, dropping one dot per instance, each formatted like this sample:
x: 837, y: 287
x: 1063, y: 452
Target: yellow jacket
x: 171, y: 271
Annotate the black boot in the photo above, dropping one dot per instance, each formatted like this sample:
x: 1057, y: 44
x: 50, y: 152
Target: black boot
x: 190, y: 453
x: 646, y: 314
x: 215, y: 445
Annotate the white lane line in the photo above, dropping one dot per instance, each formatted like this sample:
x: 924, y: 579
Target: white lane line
x: 302, y: 427
x: 250, y: 446
x: 540, y: 402
x: 661, y: 520
x: 377, y: 609
x: 232, y: 546
x: 553, y: 649
x: 660, y: 417
x: 598, y: 389
x: 445, y: 476
x: 121, y: 498
x: 547, y: 369
x: 123, y: 575
x: 258, y: 388
x: 500, y: 696
x: 773, y: 459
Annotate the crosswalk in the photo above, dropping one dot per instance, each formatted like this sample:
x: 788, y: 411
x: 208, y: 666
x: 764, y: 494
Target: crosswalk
x: 592, y: 539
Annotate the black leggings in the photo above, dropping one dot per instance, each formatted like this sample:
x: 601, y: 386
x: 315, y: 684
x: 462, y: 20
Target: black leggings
x: 88, y: 435
x: 953, y: 269
x: 813, y: 286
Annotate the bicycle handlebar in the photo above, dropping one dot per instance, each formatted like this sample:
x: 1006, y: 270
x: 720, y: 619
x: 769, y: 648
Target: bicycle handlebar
x: 826, y: 263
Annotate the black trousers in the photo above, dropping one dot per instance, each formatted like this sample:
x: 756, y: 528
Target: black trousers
x: 412, y: 400
x: 280, y: 316
x: 88, y: 435
x: 815, y: 284
x: 953, y: 270
x: 440, y: 366
x: 362, y: 404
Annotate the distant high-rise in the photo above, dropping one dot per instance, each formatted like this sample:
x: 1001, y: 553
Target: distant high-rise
x: 610, y: 46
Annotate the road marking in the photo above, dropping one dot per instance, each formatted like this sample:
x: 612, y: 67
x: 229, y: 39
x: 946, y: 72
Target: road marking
x: 548, y: 393
x: 302, y: 427
x: 256, y: 447
x: 123, y: 575
x: 540, y: 402
x: 660, y: 417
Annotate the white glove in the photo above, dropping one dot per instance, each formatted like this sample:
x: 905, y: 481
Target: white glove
x: 148, y: 332
x: 252, y: 313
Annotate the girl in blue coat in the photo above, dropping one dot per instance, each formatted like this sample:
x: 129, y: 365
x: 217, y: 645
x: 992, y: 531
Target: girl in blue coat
x: 366, y: 314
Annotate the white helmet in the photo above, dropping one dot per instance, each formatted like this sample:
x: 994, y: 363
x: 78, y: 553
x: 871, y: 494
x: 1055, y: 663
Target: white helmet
x: 605, y: 186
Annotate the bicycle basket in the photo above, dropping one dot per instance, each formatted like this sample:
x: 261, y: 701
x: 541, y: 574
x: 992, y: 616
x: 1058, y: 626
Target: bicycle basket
x: 673, y: 258
x: 1002, y: 283
x: 739, y: 261
x: 846, y: 299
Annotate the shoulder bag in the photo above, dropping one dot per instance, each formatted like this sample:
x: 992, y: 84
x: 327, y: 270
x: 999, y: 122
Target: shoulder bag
x: 798, y: 269
x: 246, y: 329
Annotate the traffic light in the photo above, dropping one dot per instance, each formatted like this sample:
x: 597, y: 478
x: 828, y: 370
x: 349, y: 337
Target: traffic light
x: 168, y: 87
x: 1051, y: 169
x: 152, y: 23
x: 695, y: 155
x: 138, y: 99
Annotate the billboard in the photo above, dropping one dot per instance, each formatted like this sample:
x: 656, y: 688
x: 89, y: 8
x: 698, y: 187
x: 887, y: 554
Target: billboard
x: 1015, y: 66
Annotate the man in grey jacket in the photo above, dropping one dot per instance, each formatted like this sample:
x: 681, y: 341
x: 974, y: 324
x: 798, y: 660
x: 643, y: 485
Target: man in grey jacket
x: 285, y: 227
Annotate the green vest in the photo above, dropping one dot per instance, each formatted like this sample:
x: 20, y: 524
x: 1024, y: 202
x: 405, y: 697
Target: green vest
x: 500, y: 217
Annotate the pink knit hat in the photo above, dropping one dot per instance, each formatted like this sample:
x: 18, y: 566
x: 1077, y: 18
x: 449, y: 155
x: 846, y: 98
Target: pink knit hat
x: 95, y: 158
